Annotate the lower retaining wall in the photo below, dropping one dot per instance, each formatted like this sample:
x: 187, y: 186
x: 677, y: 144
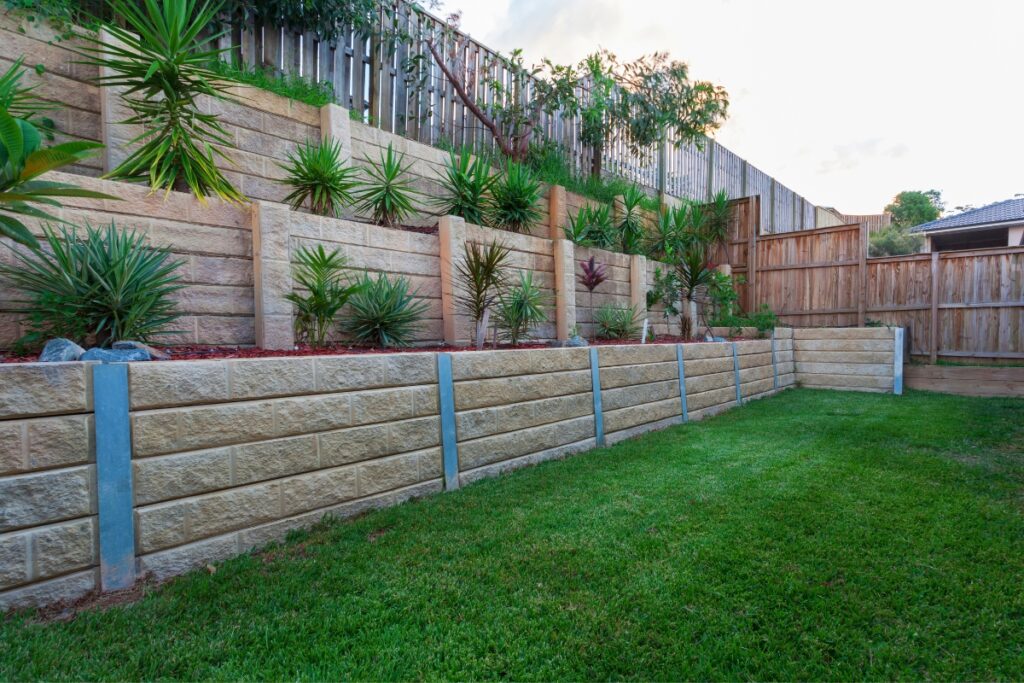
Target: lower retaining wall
x: 217, y: 457
x: 849, y: 358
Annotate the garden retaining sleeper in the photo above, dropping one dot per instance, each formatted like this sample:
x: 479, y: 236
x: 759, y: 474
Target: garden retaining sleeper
x: 227, y: 455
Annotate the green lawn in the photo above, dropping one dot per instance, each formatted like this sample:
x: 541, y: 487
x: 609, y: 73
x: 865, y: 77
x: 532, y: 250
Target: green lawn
x: 815, y: 535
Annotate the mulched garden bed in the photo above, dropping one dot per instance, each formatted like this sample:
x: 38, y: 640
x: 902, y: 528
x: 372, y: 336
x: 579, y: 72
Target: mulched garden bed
x: 227, y: 352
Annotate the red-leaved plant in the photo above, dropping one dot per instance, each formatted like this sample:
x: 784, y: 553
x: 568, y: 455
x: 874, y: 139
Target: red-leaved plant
x: 591, y: 277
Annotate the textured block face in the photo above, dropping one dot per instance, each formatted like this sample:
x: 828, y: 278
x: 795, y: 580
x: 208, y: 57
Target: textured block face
x: 34, y: 389
x: 63, y: 548
x: 38, y: 498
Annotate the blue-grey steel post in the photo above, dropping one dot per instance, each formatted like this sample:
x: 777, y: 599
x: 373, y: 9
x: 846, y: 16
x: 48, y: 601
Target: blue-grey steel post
x: 736, y: 374
x: 595, y: 381
x: 449, y: 442
x: 775, y: 365
x: 682, y: 383
x: 114, y: 475
x: 897, y: 362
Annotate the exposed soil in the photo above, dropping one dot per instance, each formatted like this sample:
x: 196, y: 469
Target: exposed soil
x: 227, y: 352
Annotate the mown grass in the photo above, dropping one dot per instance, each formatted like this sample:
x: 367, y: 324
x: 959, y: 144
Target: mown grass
x: 815, y: 535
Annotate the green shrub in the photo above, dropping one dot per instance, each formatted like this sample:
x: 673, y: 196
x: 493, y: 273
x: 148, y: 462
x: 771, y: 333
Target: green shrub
x: 521, y: 307
x: 317, y: 176
x: 894, y: 241
x: 162, y: 56
x: 325, y: 290
x: 764, y: 319
x: 385, y: 195
x: 631, y: 227
x: 592, y: 226
x: 514, y: 199
x: 384, y: 312
x: 104, y: 286
x: 315, y: 94
x: 467, y: 183
x: 614, y: 322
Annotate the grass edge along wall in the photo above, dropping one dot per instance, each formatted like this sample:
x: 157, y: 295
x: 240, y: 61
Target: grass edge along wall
x: 113, y: 472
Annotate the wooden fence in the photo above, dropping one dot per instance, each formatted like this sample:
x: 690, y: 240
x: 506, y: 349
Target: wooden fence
x: 958, y: 304
x: 403, y: 91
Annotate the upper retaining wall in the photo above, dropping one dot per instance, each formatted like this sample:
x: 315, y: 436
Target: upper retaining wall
x: 230, y: 454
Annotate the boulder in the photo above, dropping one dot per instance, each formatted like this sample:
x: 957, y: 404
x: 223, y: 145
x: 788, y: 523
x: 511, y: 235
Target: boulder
x: 155, y: 354
x: 60, y: 350
x: 115, y: 355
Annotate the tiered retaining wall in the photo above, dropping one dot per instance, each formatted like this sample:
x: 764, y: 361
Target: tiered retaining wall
x: 222, y: 456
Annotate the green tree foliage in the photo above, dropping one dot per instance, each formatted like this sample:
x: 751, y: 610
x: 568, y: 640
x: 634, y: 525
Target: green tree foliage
x: 894, y: 241
x: 913, y: 207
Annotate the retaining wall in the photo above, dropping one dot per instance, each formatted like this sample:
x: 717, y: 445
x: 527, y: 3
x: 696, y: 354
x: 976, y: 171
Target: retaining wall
x: 221, y: 456
x: 850, y: 358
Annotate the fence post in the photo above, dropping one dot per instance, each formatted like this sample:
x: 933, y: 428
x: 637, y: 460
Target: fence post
x: 862, y: 276
x: 114, y: 475
x: 595, y: 386
x: 272, y: 275
x: 556, y: 211
x: 449, y: 439
x: 335, y: 124
x: 564, y: 253
x: 933, y: 347
x: 662, y: 171
x: 452, y: 233
x: 897, y: 361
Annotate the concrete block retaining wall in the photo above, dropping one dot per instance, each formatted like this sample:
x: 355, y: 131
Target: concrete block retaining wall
x: 227, y: 455
x: 850, y: 358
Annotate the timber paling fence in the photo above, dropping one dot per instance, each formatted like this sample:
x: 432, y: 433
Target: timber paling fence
x: 956, y: 304
x: 403, y: 91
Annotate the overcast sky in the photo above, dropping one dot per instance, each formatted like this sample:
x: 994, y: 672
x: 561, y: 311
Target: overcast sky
x: 846, y: 103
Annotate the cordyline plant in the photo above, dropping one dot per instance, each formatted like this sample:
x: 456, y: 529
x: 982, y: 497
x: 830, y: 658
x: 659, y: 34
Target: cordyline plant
x: 591, y: 275
x: 482, y: 278
x: 160, y: 55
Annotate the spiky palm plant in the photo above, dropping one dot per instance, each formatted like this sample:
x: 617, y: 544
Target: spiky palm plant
x: 385, y: 195
x: 317, y: 175
x: 613, y: 322
x: 631, y: 224
x: 514, y: 199
x: 482, y: 276
x: 324, y: 290
x: 384, y: 312
x: 466, y: 183
x: 521, y: 307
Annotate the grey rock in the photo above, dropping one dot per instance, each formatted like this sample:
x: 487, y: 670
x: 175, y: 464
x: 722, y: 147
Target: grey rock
x: 115, y: 355
x: 60, y: 350
x: 155, y: 354
x: 572, y: 342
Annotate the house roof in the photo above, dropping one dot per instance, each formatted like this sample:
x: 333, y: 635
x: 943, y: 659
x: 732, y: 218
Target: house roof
x: 1009, y: 211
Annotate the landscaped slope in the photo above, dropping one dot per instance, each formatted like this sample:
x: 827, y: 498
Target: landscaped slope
x: 811, y: 535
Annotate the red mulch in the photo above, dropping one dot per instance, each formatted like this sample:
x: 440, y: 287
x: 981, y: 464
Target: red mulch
x: 224, y: 352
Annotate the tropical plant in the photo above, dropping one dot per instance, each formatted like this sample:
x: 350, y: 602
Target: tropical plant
x: 385, y: 195
x: 467, y: 183
x: 592, y: 226
x: 764, y: 319
x: 316, y: 174
x: 521, y: 307
x: 716, y: 214
x: 384, y: 312
x: 325, y: 289
x: 514, y: 198
x: 161, y: 54
x: 103, y: 286
x: 722, y: 293
x: 616, y: 322
x: 21, y: 163
x: 482, y: 277
x: 591, y: 275
x: 631, y: 223
x: 663, y: 240
x: 19, y: 101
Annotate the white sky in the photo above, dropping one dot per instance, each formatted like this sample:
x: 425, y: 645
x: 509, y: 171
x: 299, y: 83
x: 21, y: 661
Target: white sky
x: 846, y: 103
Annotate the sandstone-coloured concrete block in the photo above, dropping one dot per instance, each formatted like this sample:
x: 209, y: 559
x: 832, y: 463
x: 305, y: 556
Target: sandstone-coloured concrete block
x: 639, y: 395
x: 753, y: 360
x: 313, y: 413
x: 155, y: 385
x: 161, y: 526
x: 627, y: 375
x: 63, y: 548
x: 523, y: 442
x: 224, y: 424
x: 754, y: 346
x: 842, y: 333
x: 182, y: 474
x: 710, y: 382
x: 382, y: 405
x: 345, y: 373
x: 226, y: 330
x: 706, y: 350
x: 843, y: 345
x: 232, y: 509
x: 266, y: 377
x: 64, y: 588
x: 754, y: 374
x: 38, y: 498
x: 631, y: 417
x: 154, y: 433
x: 12, y: 446
x: 352, y: 445
x: 860, y: 369
x: 844, y: 356
x: 175, y: 561
x: 416, y: 434
x: 34, y: 389
x: 609, y: 356
x: 845, y: 381
x: 425, y: 400
x: 14, y: 566
x: 411, y: 368
x: 271, y: 459
x: 385, y: 474
x: 715, y: 397
x: 504, y: 390
x: 56, y: 441
x: 319, y: 489
x: 707, y: 366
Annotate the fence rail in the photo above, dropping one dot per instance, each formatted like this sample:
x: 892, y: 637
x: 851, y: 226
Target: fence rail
x: 404, y: 91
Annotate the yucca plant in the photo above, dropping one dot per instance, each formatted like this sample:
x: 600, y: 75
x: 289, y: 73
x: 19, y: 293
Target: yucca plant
x: 20, y: 102
x: 482, y: 276
x: 631, y: 223
x: 591, y: 275
x: 521, y: 307
x: 466, y: 183
x: 103, y: 286
x: 663, y: 239
x: 21, y: 163
x: 318, y: 177
x: 325, y: 289
x: 161, y: 55
x: 514, y: 198
x: 614, y: 322
x: 384, y: 312
x: 385, y: 195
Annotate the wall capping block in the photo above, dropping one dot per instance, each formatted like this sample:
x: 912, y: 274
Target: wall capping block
x: 449, y: 439
x: 595, y: 379
x: 114, y: 476
x: 897, y: 361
